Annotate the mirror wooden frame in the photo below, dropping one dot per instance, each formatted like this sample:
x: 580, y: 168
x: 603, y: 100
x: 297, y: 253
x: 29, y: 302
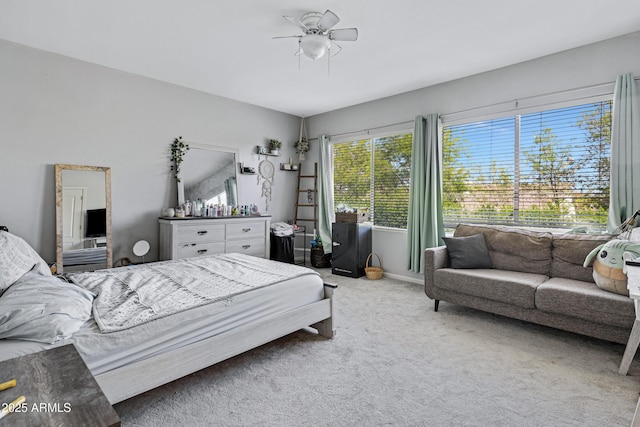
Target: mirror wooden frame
x: 59, y: 168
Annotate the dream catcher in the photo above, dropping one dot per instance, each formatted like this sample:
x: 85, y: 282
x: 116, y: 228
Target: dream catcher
x: 265, y: 172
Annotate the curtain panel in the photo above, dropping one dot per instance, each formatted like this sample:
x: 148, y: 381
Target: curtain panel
x: 326, y: 211
x: 425, y: 227
x: 625, y: 153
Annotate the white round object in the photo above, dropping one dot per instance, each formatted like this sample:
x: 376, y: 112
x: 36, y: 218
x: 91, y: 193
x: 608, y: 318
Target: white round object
x: 315, y: 45
x: 141, y: 248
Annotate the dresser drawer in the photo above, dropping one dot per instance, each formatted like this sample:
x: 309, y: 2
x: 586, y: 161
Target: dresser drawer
x: 186, y: 250
x: 194, y: 233
x: 246, y: 230
x: 248, y: 247
x: 191, y: 237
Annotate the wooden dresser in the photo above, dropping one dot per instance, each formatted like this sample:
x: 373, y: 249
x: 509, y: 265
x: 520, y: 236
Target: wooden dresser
x: 187, y: 237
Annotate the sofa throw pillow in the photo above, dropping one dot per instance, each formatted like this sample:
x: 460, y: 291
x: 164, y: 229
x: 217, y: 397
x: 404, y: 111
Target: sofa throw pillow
x: 468, y: 251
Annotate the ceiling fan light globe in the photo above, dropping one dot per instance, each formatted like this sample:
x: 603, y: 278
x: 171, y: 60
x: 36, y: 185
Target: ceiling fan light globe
x: 315, y: 46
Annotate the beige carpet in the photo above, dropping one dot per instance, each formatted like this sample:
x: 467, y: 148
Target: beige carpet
x: 397, y: 362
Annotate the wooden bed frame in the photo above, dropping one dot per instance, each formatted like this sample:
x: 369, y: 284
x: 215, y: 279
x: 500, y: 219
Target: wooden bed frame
x: 127, y: 381
x: 130, y: 380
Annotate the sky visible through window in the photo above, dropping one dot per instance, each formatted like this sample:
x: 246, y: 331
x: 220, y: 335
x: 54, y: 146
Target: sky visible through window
x: 493, y: 139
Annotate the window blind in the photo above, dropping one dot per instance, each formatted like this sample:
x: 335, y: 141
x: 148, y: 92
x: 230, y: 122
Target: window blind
x: 352, y: 174
x: 391, y: 180
x: 373, y: 174
x: 549, y: 169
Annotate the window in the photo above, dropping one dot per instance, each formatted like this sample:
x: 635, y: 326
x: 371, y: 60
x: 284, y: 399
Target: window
x: 373, y: 174
x: 544, y: 169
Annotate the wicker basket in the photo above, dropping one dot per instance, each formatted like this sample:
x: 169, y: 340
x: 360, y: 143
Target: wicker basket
x: 373, y: 273
x: 319, y: 259
x: 351, y: 217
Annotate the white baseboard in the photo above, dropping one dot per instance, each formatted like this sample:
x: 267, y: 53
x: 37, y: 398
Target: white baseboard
x: 404, y: 278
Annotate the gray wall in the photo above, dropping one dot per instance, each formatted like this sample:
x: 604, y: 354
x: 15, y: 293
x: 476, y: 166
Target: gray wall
x: 589, y: 65
x: 58, y: 110
x: 54, y: 109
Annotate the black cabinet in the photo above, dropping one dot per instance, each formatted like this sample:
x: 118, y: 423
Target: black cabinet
x: 351, y: 246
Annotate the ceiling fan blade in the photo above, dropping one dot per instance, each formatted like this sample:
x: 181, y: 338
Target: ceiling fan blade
x: 328, y: 20
x: 296, y: 22
x: 286, y: 37
x: 344, y: 34
x: 335, y: 48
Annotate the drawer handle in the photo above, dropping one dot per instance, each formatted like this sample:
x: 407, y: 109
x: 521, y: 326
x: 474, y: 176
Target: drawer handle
x: 246, y: 230
x: 246, y: 246
x: 186, y: 245
x: 202, y: 233
x: 201, y: 251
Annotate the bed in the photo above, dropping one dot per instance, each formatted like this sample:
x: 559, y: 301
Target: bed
x: 138, y: 327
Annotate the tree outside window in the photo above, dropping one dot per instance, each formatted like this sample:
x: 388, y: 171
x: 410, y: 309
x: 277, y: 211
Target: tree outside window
x: 373, y: 175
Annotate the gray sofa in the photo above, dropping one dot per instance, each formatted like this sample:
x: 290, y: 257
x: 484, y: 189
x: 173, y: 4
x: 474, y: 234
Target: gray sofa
x: 534, y: 276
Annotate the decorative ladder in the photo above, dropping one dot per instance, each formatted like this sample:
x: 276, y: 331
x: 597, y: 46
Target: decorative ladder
x: 303, y: 214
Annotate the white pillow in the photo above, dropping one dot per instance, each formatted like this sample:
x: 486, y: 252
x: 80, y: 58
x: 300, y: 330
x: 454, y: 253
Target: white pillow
x: 43, y: 309
x: 16, y: 258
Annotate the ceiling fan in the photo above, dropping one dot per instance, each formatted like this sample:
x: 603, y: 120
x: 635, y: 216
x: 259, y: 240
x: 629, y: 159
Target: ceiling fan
x: 319, y: 38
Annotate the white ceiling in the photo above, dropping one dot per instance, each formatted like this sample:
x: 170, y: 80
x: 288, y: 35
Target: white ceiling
x: 225, y: 47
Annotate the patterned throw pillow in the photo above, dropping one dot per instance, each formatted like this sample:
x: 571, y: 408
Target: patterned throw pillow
x: 16, y: 258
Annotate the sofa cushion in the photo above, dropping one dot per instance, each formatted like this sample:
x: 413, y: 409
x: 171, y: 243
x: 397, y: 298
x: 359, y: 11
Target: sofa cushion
x: 514, y: 249
x: 468, y: 251
x: 569, y: 251
x: 499, y: 285
x: 584, y: 300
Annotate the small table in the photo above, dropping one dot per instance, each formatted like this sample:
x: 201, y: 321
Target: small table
x: 59, y: 390
x: 633, y: 285
x: 302, y: 231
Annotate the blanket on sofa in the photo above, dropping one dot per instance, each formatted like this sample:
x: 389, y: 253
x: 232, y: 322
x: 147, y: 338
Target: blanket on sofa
x: 129, y: 296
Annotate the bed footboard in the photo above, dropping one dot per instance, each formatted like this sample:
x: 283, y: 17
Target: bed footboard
x: 131, y: 380
x: 326, y: 327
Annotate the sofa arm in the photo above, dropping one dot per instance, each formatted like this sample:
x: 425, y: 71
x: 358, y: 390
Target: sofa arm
x: 434, y: 258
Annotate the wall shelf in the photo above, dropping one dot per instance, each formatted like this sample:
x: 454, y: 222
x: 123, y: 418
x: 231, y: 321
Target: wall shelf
x: 264, y: 151
x: 248, y: 170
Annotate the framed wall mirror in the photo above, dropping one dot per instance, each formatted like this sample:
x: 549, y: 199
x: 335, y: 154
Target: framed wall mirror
x: 208, y: 173
x: 83, y: 218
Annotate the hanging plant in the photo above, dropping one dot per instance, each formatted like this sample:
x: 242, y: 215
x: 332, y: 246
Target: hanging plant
x: 178, y: 151
x: 301, y: 146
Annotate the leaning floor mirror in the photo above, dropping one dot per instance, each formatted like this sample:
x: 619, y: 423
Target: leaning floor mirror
x: 83, y: 218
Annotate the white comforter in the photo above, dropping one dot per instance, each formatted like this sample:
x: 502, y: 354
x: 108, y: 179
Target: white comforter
x: 130, y: 296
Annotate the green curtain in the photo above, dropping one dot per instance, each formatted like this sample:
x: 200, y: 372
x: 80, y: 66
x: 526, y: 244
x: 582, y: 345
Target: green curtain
x: 326, y: 212
x: 625, y: 153
x: 425, y: 226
